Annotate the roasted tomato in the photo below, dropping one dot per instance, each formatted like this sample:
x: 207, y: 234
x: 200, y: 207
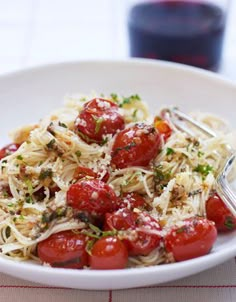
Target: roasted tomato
x: 108, y: 253
x: 135, y: 146
x: 123, y: 219
x: 194, y: 239
x: 92, y: 196
x: 65, y: 249
x: 83, y: 172
x: 132, y: 200
x: 163, y: 127
x: 145, y: 235
x: 8, y: 150
x: 218, y: 212
x: 98, y: 118
x: 148, y: 236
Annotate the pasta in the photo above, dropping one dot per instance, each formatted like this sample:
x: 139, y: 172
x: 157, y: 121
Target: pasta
x: 36, y: 177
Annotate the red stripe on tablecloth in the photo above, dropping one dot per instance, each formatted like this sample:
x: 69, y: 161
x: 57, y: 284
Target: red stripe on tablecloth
x: 110, y: 296
x: 191, y: 286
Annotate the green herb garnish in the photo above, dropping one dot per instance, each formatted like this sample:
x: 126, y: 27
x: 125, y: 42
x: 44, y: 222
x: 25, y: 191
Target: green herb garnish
x: 78, y: 153
x: 200, y: 153
x: 203, y: 169
x: 50, y: 145
x: 98, y: 123
x: 129, y: 100
x: 19, y: 157
x: 62, y: 124
x: 45, y: 174
x: 229, y: 222
x: 169, y: 151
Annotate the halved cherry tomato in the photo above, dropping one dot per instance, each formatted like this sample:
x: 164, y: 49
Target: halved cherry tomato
x: 8, y: 150
x: 65, y: 249
x: 135, y: 146
x: 163, y: 127
x: 218, y: 212
x: 108, y: 253
x: 83, y: 172
x: 146, y: 236
x: 92, y: 196
x: 194, y: 239
x: 132, y: 200
x: 98, y: 118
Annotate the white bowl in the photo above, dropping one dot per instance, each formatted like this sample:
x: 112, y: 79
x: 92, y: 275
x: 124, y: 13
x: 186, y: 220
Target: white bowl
x: 28, y: 95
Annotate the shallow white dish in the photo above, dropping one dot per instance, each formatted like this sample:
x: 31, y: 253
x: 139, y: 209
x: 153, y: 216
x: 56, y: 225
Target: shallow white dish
x: 28, y: 95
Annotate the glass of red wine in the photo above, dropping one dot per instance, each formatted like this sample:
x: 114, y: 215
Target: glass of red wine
x: 184, y: 31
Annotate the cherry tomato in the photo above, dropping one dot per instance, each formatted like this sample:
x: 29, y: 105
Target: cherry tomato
x: 132, y: 200
x: 65, y: 249
x: 218, y: 212
x: 98, y: 118
x: 123, y: 219
x: 135, y: 146
x: 163, y: 127
x: 92, y: 196
x: 9, y: 149
x: 108, y: 253
x: 83, y: 172
x: 148, y: 236
x: 145, y: 237
x: 194, y: 239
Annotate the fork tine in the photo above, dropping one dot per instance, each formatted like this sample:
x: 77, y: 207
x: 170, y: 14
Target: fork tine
x: 222, y: 184
x: 182, y: 116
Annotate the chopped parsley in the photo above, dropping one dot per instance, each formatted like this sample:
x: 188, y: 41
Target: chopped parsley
x: 62, y: 124
x: 170, y: 151
x: 29, y: 186
x: 98, y: 123
x: 203, y: 169
x: 200, y: 153
x: 114, y: 97
x: 129, y: 100
x: 50, y: 145
x: 161, y: 176
x: 78, y: 153
x: 21, y: 217
x: 127, y: 148
x: 134, y: 114
x: 45, y: 174
x: 19, y: 157
x: 229, y: 222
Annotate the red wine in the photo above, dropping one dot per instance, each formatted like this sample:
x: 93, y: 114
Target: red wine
x: 180, y: 31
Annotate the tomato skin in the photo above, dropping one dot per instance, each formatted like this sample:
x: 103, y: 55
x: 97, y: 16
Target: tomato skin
x: 123, y: 219
x: 9, y: 149
x: 92, y: 196
x: 108, y: 253
x: 83, y: 172
x: 135, y: 146
x: 218, y: 212
x: 132, y: 200
x: 146, y: 242
x: 98, y: 118
x: 143, y: 242
x: 163, y: 127
x: 65, y: 249
x: 192, y: 240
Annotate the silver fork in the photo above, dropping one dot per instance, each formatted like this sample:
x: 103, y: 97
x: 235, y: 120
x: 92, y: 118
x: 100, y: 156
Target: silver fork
x: 179, y: 119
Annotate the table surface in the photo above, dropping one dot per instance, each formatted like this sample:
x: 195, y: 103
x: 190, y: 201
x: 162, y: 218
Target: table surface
x: 34, y: 32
